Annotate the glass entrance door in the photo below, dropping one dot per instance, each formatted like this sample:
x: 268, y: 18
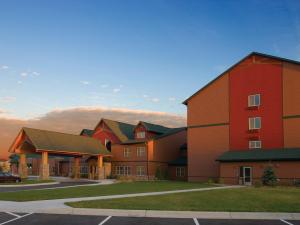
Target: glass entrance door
x: 247, y: 175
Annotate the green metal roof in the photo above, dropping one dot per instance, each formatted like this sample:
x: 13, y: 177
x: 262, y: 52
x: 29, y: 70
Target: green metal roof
x: 170, y: 132
x: 180, y: 161
x: 62, y: 142
x: 87, y: 132
x: 155, y: 128
x: 289, y: 154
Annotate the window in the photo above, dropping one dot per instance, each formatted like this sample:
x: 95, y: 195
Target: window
x: 123, y: 170
x: 180, y: 171
x: 254, y: 144
x: 140, y: 151
x: 127, y: 152
x: 254, y: 123
x: 254, y: 100
x: 108, y: 144
x: 140, y: 171
x: 141, y: 134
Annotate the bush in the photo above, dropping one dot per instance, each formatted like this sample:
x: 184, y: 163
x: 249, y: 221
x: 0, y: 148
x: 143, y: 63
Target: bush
x: 269, y: 178
x: 297, y: 183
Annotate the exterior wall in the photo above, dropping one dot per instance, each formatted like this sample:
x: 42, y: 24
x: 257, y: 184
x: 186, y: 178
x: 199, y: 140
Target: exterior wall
x: 208, y: 130
x: 287, y: 172
x: 256, y: 75
x: 133, y: 166
x: 103, y: 132
x: 172, y: 173
x: 291, y: 105
x: 118, y: 153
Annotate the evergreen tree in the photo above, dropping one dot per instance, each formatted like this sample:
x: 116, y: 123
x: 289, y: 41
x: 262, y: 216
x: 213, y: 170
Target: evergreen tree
x: 269, y: 178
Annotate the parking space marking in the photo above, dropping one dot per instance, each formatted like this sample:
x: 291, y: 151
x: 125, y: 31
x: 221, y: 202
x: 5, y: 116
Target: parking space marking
x: 15, y: 215
x: 17, y: 218
x: 284, y: 221
x: 105, y: 220
x: 196, y: 221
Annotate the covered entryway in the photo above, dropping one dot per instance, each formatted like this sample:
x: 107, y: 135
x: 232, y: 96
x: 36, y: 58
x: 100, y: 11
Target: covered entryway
x: 45, y: 143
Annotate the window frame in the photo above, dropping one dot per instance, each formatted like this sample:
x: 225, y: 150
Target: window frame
x: 252, y: 99
x: 180, y: 171
x: 140, y: 171
x: 138, y: 151
x: 250, y: 123
x: 255, y: 146
x: 127, y: 152
x: 138, y: 134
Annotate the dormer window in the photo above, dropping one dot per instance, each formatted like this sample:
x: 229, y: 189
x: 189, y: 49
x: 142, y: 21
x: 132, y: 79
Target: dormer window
x: 254, y: 100
x: 141, y: 134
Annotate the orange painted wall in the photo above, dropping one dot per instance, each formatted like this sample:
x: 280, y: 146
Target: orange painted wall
x: 291, y: 128
x: 211, y: 105
x: 205, y: 145
x: 285, y: 171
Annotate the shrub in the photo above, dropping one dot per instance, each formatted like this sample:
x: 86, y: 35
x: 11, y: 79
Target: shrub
x: 269, y: 178
x: 297, y: 183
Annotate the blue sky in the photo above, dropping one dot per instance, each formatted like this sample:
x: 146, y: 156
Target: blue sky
x: 146, y: 55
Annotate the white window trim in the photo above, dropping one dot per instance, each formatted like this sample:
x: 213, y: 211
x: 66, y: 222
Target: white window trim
x: 141, y: 134
x: 250, y: 98
x: 139, y: 150
x: 254, y: 119
x: 255, y: 144
x: 180, y: 171
x: 140, y: 171
x: 127, y: 152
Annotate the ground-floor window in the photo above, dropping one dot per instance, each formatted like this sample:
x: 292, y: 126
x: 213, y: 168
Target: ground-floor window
x: 123, y: 170
x: 140, y: 171
x: 180, y: 171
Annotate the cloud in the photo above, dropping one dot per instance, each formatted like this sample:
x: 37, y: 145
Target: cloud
x: 104, y: 85
x: 145, y: 96
x: 155, y: 99
x: 35, y: 74
x: 4, y: 67
x: 171, y: 99
x: 84, y: 82
x: 73, y: 120
x: 7, y: 99
x: 20, y: 82
x: 116, y: 90
x: 24, y: 74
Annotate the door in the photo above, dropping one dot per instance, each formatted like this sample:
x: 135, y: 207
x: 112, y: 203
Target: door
x: 247, y: 175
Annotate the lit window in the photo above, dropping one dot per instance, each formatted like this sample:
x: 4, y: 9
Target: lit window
x: 127, y: 152
x: 254, y: 123
x: 140, y: 171
x: 254, y: 100
x: 141, y: 134
x: 254, y: 144
x: 140, y: 151
x: 180, y: 171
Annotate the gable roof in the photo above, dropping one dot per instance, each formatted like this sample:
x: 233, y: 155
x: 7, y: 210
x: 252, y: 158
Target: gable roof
x: 226, y: 71
x: 64, y: 143
x: 123, y: 131
x: 87, y: 132
x: 289, y: 154
x: 154, y: 127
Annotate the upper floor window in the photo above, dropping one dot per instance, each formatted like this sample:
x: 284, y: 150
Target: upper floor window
x: 140, y: 151
x: 254, y: 100
x: 180, y: 171
x: 127, y: 152
x: 254, y: 123
x: 141, y: 134
x: 254, y: 144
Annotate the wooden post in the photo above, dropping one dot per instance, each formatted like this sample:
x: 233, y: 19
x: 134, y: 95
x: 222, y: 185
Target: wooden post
x: 76, y: 168
x: 23, y: 170
x: 100, y: 167
x: 44, y: 168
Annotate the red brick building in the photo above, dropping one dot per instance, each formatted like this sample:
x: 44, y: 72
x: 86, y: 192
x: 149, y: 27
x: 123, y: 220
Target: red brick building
x: 142, y: 151
x: 246, y: 119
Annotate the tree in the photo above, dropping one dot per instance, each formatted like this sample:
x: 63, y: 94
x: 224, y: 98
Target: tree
x: 269, y: 178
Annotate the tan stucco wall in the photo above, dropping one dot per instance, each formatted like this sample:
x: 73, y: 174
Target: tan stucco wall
x: 211, y: 105
x: 205, y: 145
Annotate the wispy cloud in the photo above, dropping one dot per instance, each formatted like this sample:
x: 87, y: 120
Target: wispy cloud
x: 35, y: 74
x: 172, y: 99
x: 84, y: 82
x: 145, y: 96
x: 24, y: 74
x: 155, y: 100
x: 4, y: 67
x: 116, y: 90
x: 20, y: 82
x: 104, y: 85
x: 7, y: 99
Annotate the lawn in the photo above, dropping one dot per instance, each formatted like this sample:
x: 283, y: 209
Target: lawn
x: 264, y: 199
x: 99, y: 190
x: 26, y: 181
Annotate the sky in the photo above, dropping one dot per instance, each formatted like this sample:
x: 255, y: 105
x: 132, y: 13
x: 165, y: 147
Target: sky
x: 138, y: 55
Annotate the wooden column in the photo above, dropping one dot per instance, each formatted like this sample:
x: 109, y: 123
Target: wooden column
x: 100, y: 167
x: 23, y: 170
x: 44, y: 167
x: 76, y: 168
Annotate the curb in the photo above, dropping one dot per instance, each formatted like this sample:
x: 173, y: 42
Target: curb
x: 28, y: 185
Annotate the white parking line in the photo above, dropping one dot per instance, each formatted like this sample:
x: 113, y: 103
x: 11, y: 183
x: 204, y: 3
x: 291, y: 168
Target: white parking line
x: 196, y: 221
x: 10, y: 213
x: 284, y: 221
x: 104, y: 221
x: 16, y: 218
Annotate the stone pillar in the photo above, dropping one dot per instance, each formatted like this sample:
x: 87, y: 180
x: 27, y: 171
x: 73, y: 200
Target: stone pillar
x: 44, y: 167
x: 76, y: 168
x: 23, y: 170
x: 100, y: 167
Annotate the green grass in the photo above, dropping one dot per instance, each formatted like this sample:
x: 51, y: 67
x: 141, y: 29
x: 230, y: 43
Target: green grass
x: 25, y: 181
x: 100, y: 190
x: 277, y: 199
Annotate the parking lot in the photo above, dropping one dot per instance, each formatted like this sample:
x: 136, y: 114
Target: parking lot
x: 13, y: 218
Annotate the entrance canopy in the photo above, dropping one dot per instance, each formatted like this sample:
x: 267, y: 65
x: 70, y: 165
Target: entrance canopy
x: 35, y: 140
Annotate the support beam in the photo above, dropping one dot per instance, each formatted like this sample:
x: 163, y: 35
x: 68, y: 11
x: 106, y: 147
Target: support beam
x: 100, y: 167
x: 76, y: 168
x: 44, y: 167
x: 23, y: 170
